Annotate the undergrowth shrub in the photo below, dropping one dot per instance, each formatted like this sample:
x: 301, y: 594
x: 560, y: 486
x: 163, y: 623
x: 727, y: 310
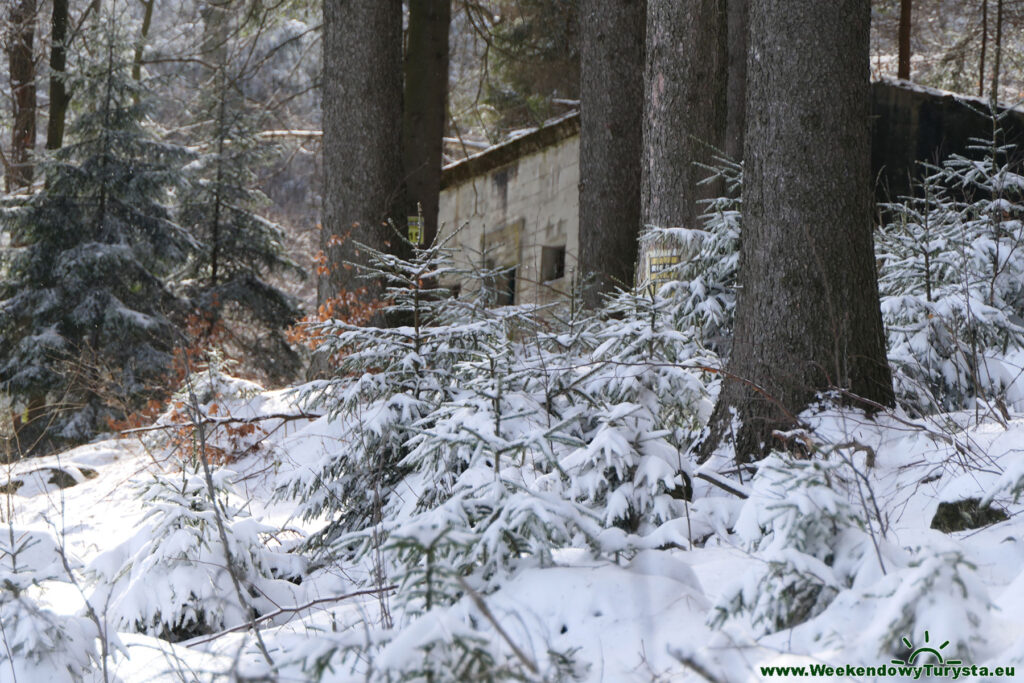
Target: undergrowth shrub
x: 35, y: 643
x: 800, y: 522
x: 172, y: 579
x: 952, y: 268
x: 477, y: 441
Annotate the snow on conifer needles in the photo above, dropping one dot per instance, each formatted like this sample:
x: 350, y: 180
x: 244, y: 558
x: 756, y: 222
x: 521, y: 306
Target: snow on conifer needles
x: 481, y: 493
x: 952, y: 262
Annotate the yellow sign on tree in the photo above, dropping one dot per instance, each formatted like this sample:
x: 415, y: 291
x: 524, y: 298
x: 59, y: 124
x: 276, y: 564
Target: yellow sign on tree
x: 416, y: 230
x: 661, y: 266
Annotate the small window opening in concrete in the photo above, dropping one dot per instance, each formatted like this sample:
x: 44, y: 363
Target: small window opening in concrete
x: 552, y: 263
x: 502, y: 285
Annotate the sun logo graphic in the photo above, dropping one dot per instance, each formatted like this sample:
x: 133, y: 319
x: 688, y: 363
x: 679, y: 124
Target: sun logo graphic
x: 925, y: 649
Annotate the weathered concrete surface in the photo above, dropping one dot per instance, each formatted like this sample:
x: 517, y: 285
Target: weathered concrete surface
x: 514, y: 199
x: 506, y: 215
x: 911, y: 123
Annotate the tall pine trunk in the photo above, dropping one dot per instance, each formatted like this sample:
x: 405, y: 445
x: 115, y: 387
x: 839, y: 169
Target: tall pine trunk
x: 685, y: 113
x: 425, y: 114
x: 22, y: 71
x: 807, y: 314
x: 736, y: 93
x: 140, y: 47
x: 362, y: 124
x: 611, y: 140
x: 216, y: 28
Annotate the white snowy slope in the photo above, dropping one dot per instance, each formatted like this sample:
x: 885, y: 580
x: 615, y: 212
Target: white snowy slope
x: 650, y: 614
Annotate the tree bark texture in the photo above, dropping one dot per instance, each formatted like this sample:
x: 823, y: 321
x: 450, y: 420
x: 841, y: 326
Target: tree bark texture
x: 58, y: 63
x: 807, y: 316
x: 425, y: 115
x: 736, y: 95
x: 22, y: 71
x: 903, y: 62
x: 362, y: 124
x: 216, y: 17
x: 611, y: 141
x: 685, y: 112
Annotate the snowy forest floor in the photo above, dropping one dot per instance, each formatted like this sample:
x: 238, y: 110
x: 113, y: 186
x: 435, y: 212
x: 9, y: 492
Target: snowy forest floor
x: 644, y: 618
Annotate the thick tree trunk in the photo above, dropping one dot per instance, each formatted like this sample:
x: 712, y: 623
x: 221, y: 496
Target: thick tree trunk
x: 736, y: 97
x: 58, y: 62
x: 807, y: 316
x: 22, y: 70
x: 903, y: 67
x: 362, y: 123
x: 611, y: 140
x: 426, y: 90
x: 685, y: 113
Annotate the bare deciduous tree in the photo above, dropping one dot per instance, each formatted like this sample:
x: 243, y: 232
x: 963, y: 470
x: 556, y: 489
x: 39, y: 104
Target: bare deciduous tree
x: 22, y: 69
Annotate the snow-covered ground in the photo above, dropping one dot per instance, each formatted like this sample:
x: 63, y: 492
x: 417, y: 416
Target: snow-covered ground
x: 650, y: 615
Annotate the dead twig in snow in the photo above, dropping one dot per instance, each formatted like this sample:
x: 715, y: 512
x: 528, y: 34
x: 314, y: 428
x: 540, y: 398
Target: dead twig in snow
x: 288, y: 610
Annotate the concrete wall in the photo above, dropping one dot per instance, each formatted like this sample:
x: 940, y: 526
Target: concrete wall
x: 517, y: 204
x: 912, y: 123
x: 508, y: 213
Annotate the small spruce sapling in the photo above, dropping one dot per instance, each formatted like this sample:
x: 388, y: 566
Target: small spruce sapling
x: 941, y: 592
x: 35, y: 643
x: 705, y: 274
x: 468, y: 447
x: 170, y: 579
x: 646, y: 401
x: 952, y: 266
x: 384, y: 380
x: 800, y: 523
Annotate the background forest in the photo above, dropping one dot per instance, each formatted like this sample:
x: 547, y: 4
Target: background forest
x: 254, y: 428
x: 234, y: 88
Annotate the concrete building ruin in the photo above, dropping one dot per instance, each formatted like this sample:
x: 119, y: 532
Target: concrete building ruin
x: 516, y: 205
